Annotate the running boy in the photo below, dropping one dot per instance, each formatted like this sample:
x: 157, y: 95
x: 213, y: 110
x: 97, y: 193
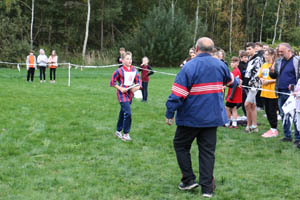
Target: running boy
x: 128, y: 82
x: 234, y: 96
x: 146, y: 72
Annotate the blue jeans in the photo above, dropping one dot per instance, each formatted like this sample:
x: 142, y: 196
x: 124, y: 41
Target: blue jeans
x: 124, y: 121
x: 287, y: 127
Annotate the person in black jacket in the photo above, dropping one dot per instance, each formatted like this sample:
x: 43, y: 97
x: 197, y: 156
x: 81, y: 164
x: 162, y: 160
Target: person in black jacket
x: 242, y: 67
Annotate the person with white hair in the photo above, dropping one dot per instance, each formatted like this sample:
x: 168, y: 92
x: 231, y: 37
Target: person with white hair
x: 42, y: 61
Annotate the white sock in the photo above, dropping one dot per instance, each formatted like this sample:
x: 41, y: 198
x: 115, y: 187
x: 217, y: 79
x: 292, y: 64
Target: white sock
x: 273, y: 130
x: 234, y: 123
x: 253, y: 126
x: 227, y: 124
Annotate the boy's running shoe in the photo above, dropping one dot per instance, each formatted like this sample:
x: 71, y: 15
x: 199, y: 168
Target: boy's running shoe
x: 188, y: 186
x: 126, y: 137
x: 119, y: 134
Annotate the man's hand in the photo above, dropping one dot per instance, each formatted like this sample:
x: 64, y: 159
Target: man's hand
x: 169, y: 121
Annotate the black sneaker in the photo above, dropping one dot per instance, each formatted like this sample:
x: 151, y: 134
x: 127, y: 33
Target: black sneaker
x: 208, y: 194
x: 298, y: 146
x: 188, y: 186
x: 297, y: 142
x: 286, y: 139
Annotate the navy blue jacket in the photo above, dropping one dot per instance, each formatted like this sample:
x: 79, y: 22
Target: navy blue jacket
x: 197, y: 93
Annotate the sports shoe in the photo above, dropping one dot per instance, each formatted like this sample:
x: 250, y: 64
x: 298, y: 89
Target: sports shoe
x: 267, y: 134
x: 297, y: 142
x: 248, y: 129
x: 254, y: 129
x: 286, y: 139
x: 119, y: 134
x: 274, y: 134
x: 126, y: 137
x: 298, y: 146
x: 207, y: 195
x: 188, y: 186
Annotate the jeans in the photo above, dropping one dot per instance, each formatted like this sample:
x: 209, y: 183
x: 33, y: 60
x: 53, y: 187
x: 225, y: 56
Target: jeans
x: 145, y: 90
x: 287, y: 126
x: 30, y: 74
x: 42, y: 73
x: 52, y: 71
x: 124, y: 121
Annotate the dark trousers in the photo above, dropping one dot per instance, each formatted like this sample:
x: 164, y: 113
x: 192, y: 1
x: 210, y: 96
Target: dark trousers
x: 52, y: 71
x: 42, y: 73
x: 30, y: 74
x: 145, y: 90
x: 124, y: 121
x: 206, y: 141
x: 259, y: 100
x: 271, y: 106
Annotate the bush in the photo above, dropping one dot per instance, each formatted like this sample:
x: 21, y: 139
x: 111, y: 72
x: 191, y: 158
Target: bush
x: 166, y: 43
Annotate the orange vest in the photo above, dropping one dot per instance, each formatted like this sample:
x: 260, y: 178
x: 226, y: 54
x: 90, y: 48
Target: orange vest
x: 31, y: 61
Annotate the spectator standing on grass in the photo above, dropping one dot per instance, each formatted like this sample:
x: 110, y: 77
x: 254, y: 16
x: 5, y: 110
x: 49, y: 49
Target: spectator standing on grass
x: 242, y: 67
x: 30, y: 66
x: 198, y: 100
x: 42, y: 61
x: 286, y: 72
x: 191, y: 56
x: 119, y: 59
x: 269, y: 97
x: 126, y: 80
x: 297, y: 96
x: 259, y: 51
x: 53, y: 58
x: 146, y: 72
x: 234, y: 96
x: 252, y: 81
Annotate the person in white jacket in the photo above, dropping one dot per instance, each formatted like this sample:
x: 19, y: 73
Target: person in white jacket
x: 42, y: 62
x: 30, y: 66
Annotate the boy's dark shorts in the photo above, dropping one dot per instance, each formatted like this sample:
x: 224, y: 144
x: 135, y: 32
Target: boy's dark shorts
x: 231, y: 105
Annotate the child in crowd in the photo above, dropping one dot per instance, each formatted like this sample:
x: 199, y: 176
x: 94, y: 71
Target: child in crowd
x: 31, y: 66
x: 119, y: 59
x: 234, y: 96
x: 53, y: 64
x: 297, y: 95
x: 192, y: 55
x: 268, y: 92
x: 42, y: 61
x: 242, y: 67
x: 146, y: 72
x: 128, y: 82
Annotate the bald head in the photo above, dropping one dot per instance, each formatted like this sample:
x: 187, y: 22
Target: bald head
x: 205, y: 44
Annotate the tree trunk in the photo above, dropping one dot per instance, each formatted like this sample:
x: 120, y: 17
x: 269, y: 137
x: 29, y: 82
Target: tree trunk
x: 230, y: 28
x: 247, y: 18
x: 102, y: 21
x: 277, y: 18
x: 196, y: 21
x: 262, y: 21
x: 282, y: 23
x: 173, y: 11
x: 112, y: 34
x: 86, y: 29
x: 31, y: 26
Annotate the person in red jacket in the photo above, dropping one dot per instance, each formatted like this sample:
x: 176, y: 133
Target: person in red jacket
x: 146, y: 72
x: 234, y: 96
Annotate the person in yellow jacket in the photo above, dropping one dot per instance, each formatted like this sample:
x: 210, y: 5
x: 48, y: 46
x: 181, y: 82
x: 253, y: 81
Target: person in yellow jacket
x: 30, y: 66
x: 268, y: 93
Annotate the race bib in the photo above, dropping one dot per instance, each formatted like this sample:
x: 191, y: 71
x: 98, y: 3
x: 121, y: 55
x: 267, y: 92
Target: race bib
x: 129, y: 78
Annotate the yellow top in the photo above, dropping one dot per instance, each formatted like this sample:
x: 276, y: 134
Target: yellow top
x: 264, y: 74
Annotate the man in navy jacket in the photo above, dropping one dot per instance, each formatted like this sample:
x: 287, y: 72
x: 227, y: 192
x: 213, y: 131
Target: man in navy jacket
x: 199, y: 101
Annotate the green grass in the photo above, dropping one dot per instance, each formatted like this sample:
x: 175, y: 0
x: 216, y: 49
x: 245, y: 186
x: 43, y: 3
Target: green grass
x: 57, y: 142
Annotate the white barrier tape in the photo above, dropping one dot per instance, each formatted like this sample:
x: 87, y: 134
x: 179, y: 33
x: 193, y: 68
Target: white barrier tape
x: 288, y: 94
x: 166, y: 73
x: 93, y: 67
x: 9, y: 63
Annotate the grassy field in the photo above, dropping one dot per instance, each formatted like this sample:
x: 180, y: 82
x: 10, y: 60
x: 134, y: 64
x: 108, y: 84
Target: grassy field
x: 57, y: 142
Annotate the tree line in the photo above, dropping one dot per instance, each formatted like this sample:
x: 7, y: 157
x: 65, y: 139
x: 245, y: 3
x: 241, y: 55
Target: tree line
x: 163, y: 30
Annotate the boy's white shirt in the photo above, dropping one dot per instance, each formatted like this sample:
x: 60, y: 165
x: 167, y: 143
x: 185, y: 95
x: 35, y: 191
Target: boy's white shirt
x: 129, y: 78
